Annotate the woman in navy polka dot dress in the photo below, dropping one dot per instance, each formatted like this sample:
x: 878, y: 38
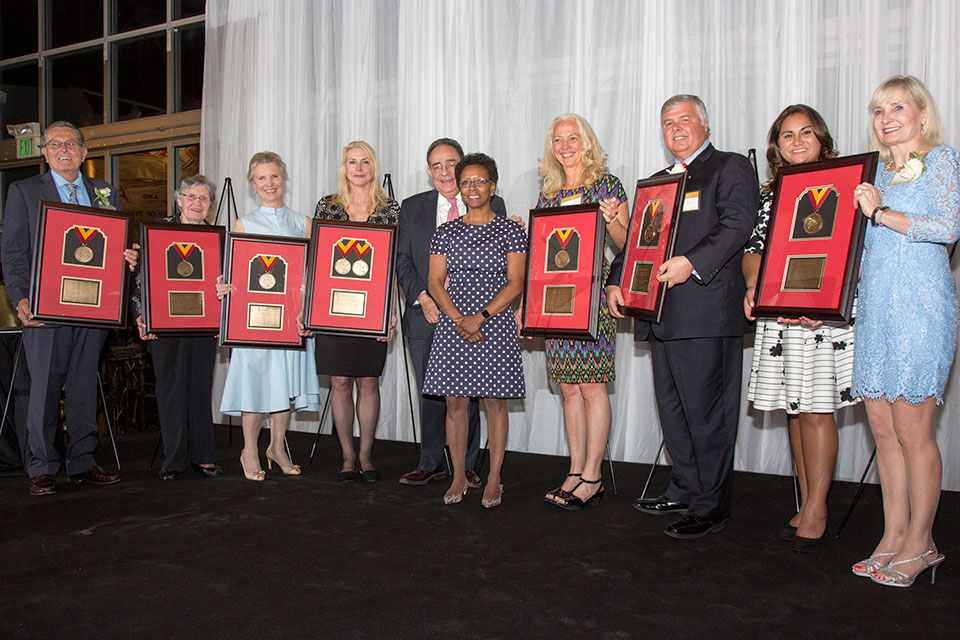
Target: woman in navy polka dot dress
x: 476, y: 351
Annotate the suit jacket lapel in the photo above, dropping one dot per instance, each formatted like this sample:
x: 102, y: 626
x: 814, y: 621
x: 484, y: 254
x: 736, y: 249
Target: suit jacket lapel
x: 48, y: 188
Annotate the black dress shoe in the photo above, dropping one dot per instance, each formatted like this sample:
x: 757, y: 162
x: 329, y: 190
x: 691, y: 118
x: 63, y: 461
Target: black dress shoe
x: 806, y: 545
x: 788, y: 532
x: 659, y: 506
x: 169, y: 475
x: 208, y: 472
x: 370, y: 475
x: 693, y: 526
x: 348, y: 476
x: 43, y: 485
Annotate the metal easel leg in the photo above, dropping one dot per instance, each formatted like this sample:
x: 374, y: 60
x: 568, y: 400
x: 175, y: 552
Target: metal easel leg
x: 406, y: 363
x: 653, y: 467
x: 613, y: 477
x: 106, y: 415
x: 323, y: 416
x: 856, y: 496
x: 13, y: 376
x: 156, y: 450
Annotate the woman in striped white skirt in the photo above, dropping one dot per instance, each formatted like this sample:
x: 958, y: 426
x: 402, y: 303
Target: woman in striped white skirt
x: 802, y: 367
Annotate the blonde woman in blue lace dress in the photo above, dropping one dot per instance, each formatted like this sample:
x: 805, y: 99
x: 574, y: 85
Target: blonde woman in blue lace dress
x: 907, y: 320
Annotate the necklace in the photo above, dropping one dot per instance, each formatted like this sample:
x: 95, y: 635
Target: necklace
x: 884, y: 183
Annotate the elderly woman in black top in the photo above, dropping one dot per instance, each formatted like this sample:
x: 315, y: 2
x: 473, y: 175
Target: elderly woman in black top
x: 184, y: 366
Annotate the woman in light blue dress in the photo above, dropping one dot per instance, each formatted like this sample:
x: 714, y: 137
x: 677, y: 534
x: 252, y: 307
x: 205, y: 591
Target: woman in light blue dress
x: 907, y: 320
x: 269, y: 381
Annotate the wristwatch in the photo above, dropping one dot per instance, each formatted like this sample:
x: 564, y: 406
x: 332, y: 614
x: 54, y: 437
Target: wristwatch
x: 873, y: 216
x: 485, y: 314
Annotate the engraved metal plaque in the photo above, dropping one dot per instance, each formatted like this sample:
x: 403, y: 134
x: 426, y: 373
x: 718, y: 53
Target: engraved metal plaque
x: 264, y: 316
x: 804, y: 273
x: 640, y: 280
x: 558, y: 300
x: 78, y: 291
x: 348, y: 303
x: 185, y: 303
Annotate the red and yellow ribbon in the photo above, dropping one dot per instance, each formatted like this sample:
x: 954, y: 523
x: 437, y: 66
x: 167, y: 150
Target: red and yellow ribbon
x: 85, y: 233
x: 184, y: 248
x: 267, y: 261
x: 817, y: 196
x: 563, y: 236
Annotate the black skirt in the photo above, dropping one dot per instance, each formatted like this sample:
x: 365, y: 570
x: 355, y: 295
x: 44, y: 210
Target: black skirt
x: 349, y: 356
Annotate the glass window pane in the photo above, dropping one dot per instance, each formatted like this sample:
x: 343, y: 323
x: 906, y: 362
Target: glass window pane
x: 19, y: 96
x: 94, y: 168
x: 11, y: 175
x: 142, y: 180
x: 188, y: 162
x: 18, y: 29
x: 187, y: 8
x: 189, y: 77
x: 76, y: 88
x: 127, y: 15
x: 72, y: 21
x: 141, y: 68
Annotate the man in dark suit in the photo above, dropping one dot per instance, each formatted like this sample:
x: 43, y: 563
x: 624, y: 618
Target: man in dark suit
x: 420, y: 215
x: 57, y: 356
x: 697, y: 347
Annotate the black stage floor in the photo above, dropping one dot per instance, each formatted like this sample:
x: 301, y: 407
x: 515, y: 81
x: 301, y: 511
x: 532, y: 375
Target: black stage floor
x: 310, y: 558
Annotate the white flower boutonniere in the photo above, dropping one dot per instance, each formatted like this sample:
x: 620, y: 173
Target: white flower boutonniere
x: 912, y: 169
x: 102, y: 196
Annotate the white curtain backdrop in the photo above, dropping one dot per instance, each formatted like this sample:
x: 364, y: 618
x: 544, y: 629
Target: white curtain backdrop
x: 303, y: 78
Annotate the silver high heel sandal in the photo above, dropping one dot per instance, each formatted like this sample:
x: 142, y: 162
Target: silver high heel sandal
x: 891, y: 577
x: 871, y: 565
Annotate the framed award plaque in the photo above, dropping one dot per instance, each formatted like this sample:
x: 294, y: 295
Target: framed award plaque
x: 179, y: 270
x: 268, y: 273
x: 564, y: 267
x: 350, y: 278
x: 811, y: 261
x: 79, y: 275
x: 650, y: 239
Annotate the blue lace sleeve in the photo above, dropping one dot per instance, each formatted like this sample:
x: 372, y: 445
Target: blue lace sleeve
x: 939, y: 221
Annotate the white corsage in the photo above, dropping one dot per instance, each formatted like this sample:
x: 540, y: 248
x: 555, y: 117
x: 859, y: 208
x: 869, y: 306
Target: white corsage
x: 102, y: 196
x: 912, y: 169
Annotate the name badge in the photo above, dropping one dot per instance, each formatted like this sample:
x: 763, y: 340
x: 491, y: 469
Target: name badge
x: 571, y: 199
x: 691, y: 201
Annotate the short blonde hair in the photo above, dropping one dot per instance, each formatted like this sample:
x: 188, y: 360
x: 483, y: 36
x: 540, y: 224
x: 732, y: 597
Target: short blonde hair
x: 378, y: 197
x: 266, y: 157
x: 594, y: 158
x: 932, y: 132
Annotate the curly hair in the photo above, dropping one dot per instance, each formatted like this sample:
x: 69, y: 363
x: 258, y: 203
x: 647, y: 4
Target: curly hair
x: 478, y: 160
x: 594, y: 158
x: 828, y: 148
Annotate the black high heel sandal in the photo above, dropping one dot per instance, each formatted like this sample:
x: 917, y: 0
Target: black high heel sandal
x: 571, y: 502
x: 559, y: 492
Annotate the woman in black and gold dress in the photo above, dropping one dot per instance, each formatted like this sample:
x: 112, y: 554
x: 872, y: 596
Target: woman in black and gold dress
x: 352, y: 360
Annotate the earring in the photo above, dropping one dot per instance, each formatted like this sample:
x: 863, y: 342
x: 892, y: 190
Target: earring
x: 923, y: 127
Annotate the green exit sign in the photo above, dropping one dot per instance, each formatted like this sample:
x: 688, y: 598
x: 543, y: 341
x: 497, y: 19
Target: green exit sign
x: 28, y: 147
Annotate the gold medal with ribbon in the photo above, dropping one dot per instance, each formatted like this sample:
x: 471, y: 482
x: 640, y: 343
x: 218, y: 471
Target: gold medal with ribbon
x: 653, y: 227
x: 360, y: 267
x: 267, y: 280
x: 814, y: 221
x: 562, y: 257
x: 184, y: 249
x: 83, y: 253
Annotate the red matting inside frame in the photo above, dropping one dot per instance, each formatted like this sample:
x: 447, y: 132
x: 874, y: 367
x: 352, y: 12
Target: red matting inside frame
x: 161, y: 242
x: 581, y: 279
x: 243, y: 253
x: 836, y: 249
x: 637, y: 251
x: 109, y: 276
x: 373, y: 291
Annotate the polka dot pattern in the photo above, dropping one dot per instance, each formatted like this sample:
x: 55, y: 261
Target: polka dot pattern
x: 477, y: 266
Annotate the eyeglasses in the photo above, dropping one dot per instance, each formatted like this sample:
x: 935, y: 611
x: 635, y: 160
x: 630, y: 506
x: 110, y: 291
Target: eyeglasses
x: 69, y: 144
x: 449, y: 164
x: 479, y: 182
x: 193, y: 198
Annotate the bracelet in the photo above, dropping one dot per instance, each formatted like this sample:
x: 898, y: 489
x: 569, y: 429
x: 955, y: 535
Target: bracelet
x: 873, y: 216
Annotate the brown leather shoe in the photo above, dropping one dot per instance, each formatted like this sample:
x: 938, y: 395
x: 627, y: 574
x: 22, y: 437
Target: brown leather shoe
x: 96, y: 475
x: 473, y: 480
x: 419, y: 477
x: 42, y: 485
